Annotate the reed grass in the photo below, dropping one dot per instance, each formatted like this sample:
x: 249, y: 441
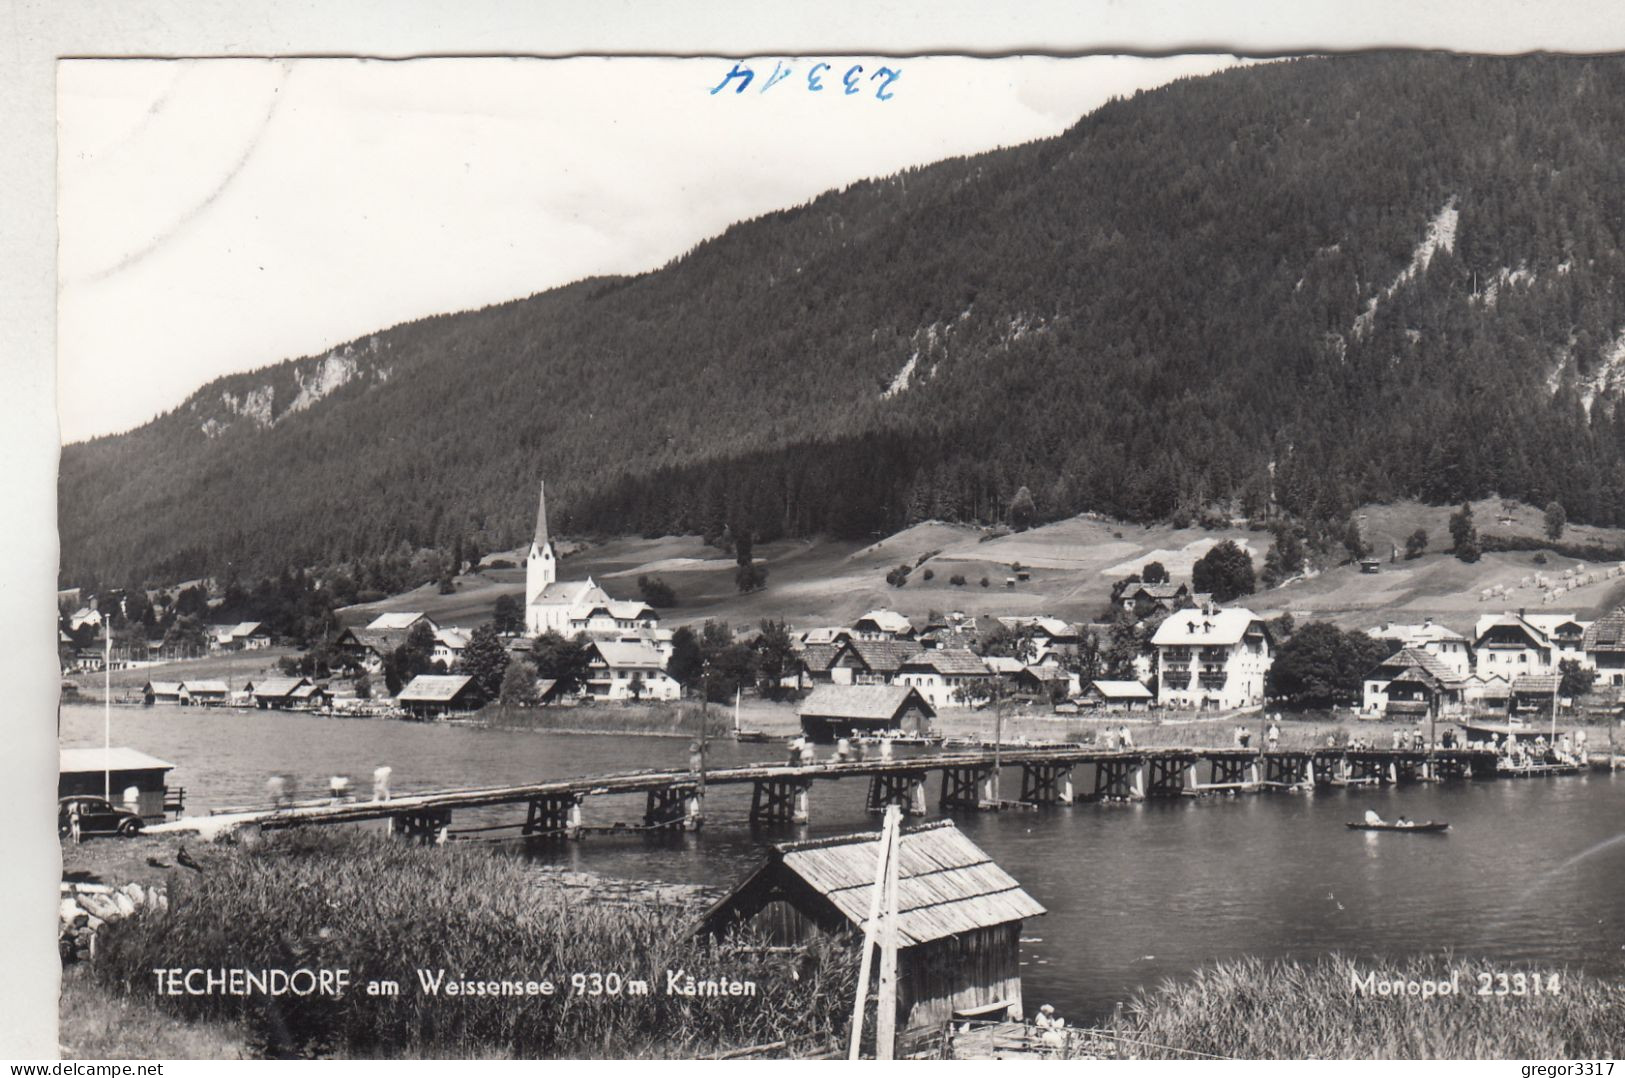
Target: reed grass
x: 383, y: 909
x: 1252, y: 1009
x: 669, y: 719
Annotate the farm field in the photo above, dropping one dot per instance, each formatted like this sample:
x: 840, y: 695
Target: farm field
x: 1071, y: 565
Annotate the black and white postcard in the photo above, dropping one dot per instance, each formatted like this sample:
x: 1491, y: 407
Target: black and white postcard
x: 842, y: 555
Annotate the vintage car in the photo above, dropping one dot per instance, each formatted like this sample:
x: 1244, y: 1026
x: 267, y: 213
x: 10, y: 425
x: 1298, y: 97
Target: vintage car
x: 96, y: 816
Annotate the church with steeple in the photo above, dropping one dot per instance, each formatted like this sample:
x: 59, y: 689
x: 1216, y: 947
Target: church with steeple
x: 575, y: 606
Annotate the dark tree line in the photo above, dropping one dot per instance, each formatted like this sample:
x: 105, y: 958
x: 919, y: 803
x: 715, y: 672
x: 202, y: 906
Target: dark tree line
x: 1162, y: 314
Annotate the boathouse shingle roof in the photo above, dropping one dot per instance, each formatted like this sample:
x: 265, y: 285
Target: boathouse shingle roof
x: 860, y: 701
x: 1121, y: 690
x: 118, y: 758
x: 946, y: 884
x: 434, y: 688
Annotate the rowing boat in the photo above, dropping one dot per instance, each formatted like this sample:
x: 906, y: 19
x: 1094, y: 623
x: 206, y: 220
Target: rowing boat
x: 1430, y: 827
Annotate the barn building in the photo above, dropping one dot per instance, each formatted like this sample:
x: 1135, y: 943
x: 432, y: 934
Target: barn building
x: 836, y: 711
x: 959, y: 916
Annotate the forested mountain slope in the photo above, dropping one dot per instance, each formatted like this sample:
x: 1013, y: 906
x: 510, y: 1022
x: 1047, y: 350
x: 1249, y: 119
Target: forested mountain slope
x: 1326, y: 282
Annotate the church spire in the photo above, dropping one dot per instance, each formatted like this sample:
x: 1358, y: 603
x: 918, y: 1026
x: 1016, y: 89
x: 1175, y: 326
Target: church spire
x: 541, y: 517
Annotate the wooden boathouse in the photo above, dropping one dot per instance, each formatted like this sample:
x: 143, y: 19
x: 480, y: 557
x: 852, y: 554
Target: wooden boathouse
x: 836, y: 711
x: 959, y: 913
x: 87, y: 772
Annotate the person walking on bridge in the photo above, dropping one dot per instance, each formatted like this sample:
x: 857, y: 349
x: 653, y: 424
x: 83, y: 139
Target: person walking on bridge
x: 1273, y: 737
x: 380, y: 783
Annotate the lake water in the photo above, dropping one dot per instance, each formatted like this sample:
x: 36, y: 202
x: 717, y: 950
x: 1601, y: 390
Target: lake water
x: 1531, y: 874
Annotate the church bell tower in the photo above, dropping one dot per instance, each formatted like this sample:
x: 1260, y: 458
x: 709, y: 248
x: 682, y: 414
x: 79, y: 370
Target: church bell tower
x: 541, y: 567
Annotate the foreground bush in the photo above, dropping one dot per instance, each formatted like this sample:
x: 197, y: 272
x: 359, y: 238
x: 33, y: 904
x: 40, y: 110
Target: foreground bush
x: 384, y: 909
x: 1250, y: 1009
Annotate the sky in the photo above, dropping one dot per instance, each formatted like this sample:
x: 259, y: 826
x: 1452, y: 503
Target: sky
x: 220, y: 215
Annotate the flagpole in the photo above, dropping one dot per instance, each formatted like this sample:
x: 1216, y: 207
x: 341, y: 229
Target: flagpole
x: 107, y: 708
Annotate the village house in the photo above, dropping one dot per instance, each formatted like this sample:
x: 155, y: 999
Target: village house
x: 1212, y: 658
x: 613, y: 618
x: 401, y: 621
x: 1052, y: 640
x: 243, y: 636
x: 1604, y: 645
x: 1447, y: 645
x: 870, y: 662
x: 1412, y: 683
x: 1513, y: 645
x: 448, y: 647
x: 366, y: 648
x: 882, y: 625
x: 829, y: 635
x: 817, y: 661
x: 629, y: 671
x: 947, y: 677
x: 959, y: 924
x: 431, y: 696
x: 836, y: 711
x: 1117, y: 696
x: 1143, y: 600
x: 1485, y: 691
x: 1566, y: 633
x: 1043, y: 682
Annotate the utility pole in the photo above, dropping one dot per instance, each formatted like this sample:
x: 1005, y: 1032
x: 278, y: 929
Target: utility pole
x: 886, y: 1005
x: 884, y: 854
x: 107, y: 705
x: 998, y: 736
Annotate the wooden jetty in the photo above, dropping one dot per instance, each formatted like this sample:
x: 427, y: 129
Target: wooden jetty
x: 966, y: 781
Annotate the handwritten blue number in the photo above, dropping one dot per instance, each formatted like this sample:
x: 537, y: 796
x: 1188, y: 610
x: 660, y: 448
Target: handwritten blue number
x: 890, y: 76
x: 740, y: 72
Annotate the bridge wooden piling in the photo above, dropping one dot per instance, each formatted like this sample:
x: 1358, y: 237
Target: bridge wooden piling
x: 903, y: 788
x: 1046, y: 784
x: 427, y: 826
x: 674, y: 807
x: 557, y: 816
x: 963, y: 787
x: 780, y: 801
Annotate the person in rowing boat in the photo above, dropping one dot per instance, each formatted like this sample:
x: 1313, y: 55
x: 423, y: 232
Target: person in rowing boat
x: 1372, y: 819
x: 1404, y: 821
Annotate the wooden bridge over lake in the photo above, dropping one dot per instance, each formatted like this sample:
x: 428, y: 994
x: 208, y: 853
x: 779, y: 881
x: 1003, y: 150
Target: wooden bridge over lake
x: 965, y: 781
